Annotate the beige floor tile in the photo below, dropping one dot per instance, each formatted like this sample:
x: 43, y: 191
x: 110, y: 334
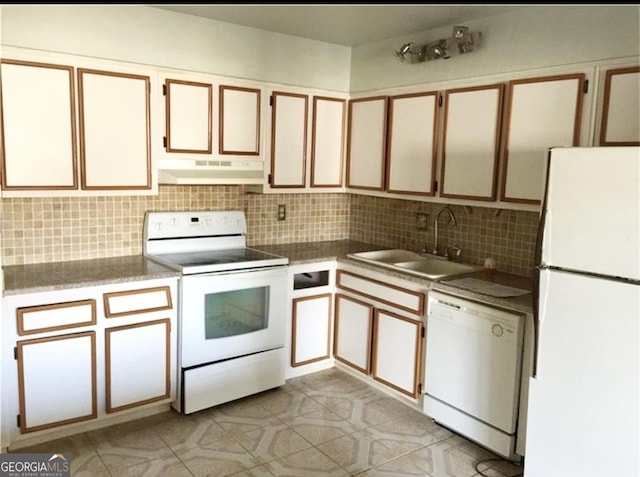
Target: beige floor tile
x: 260, y: 471
x: 216, y: 462
x: 287, y: 403
x: 189, y: 431
x: 307, y: 463
x: 169, y: 466
x: 321, y: 426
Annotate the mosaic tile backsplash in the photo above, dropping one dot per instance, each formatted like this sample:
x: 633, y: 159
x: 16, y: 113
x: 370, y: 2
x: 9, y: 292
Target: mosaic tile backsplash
x: 40, y: 230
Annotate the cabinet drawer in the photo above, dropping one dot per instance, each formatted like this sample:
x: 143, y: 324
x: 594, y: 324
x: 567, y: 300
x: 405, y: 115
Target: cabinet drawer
x: 131, y: 302
x: 55, y: 316
x: 399, y: 297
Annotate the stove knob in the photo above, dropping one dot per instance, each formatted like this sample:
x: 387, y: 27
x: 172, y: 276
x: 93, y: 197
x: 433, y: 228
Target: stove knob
x: 158, y: 226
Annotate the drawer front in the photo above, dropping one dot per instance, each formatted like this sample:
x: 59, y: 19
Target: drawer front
x: 55, y: 316
x: 398, y: 297
x: 131, y: 302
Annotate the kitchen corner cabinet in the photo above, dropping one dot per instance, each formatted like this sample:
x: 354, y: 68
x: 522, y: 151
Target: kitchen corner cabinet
x: 471, y: 144
x: 379, y: 328
x: 310, y: 327
x: 620, y: 120
x: 72, y: 126
x: 411, y: 148
x: 366, y: 143
x: 541, y: 113
x: 75, y: 359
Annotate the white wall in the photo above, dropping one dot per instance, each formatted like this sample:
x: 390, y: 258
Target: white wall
x: 152, y: 36
x: 524, y: 39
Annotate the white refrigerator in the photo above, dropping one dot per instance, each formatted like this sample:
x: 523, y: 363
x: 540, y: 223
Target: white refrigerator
x: 584, y: 394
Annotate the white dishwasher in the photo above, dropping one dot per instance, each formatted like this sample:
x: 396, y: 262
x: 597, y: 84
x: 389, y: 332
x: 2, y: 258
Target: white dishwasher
x: 472, y: 372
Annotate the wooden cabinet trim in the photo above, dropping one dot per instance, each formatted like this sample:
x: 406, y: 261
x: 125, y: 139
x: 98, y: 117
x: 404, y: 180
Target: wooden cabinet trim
x: 418, y: 354
x: 384, y: 135
x: 83, y: 162
x: 107, y: 338
x: 21, y: 382
x: 295, y: 363
x: 274, y: 107
x: 221, y: 147
x: 507, y: 118
x: 496, y: 156
x: 316, y: 99
x: 336, y: 332
x: 141, y: 291
x: 389, y: 143
x: 22, y: 311
x: 420, y: 296
x: 605, y: 106
x: 209, y: 88
x: 72, y: 118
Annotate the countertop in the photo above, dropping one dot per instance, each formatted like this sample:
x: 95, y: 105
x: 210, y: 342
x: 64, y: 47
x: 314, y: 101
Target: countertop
x: 21, y: 279
x: 300, y: 253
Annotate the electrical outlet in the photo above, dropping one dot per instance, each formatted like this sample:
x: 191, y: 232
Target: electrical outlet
x: 421, y: 221
x: 282, y: 212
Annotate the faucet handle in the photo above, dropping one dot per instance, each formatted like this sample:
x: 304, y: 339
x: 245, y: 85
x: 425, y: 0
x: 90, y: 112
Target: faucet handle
x: 454, y: 253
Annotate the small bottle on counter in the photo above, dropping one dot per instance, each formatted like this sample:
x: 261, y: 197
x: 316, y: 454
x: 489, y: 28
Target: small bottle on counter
x: 489, y: 267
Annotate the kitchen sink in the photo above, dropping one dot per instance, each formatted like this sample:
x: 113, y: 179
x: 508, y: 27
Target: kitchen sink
x: 433, y: 268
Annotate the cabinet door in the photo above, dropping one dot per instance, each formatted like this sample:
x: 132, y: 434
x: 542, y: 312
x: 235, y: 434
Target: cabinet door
x: 115, y: 130
x: 620, y: 124
x: 366, y: 143
x: 311, y: 329
x: 288, y: 139
x: 188, y: 116
x: 412, y: 143
x: 471, y: 142
x: 327, y: 142
x: 38, y: 126
x: 137, y: 364
x: 541, y: 113
x: 397, y: 350
x: 239, y: 121
x: 352, y: 333
x: 57, y: 380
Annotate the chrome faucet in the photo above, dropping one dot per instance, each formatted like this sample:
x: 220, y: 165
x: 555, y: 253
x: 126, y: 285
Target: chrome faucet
x: 452, y: 219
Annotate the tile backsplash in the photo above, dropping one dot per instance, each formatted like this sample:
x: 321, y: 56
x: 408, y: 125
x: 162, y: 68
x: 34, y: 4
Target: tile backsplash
x: 39, y: 230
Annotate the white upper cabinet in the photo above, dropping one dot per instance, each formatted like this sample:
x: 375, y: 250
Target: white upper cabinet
x: 239, y: 121
x: 188, y: 116
x: 541, y: 113
x: 288, y: 139
x: 73, y: 126
x: 470, y: 150
x: 115, y: 130
x: 620, y: 118
x: 411, y: 150
x: 366, y: 143
x: 38, y: 126
x: 327, y: 141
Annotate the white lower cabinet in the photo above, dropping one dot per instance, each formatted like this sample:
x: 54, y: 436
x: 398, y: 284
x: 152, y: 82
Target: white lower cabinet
x: 310, y: 328
x: 57, y: 380
x: 379, y: 328
x: 82, y: 358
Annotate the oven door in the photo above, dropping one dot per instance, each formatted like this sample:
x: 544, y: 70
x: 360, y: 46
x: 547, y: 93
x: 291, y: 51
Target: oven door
x: 228, y: 315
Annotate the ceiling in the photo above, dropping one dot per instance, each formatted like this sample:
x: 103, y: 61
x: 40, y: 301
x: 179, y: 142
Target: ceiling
x: 347, y: 25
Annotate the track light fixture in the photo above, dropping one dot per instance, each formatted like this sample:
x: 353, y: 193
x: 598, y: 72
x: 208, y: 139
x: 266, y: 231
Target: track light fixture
x: 461, y: 41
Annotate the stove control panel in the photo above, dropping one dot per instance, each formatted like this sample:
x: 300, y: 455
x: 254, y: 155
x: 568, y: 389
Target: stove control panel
x: 192, y: 224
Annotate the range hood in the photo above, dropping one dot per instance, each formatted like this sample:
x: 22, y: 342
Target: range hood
x: 210, y: 172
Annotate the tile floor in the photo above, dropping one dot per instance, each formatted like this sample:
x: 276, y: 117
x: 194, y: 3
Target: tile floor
x: 323, y: 424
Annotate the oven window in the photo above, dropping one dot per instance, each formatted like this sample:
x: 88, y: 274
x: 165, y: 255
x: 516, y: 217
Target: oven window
x: 236, y: 312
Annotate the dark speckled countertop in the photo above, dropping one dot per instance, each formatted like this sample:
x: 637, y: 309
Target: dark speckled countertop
x: 20, y: 279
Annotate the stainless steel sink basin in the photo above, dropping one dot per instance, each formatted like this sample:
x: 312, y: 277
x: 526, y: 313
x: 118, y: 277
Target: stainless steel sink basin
x: 415, y: 263
x: 394, y: 255
x: 436, y: 269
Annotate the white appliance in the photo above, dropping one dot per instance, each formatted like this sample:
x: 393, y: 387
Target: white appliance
x: 232, y: 306
x: 584, y: 395
x: 473, y: 370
